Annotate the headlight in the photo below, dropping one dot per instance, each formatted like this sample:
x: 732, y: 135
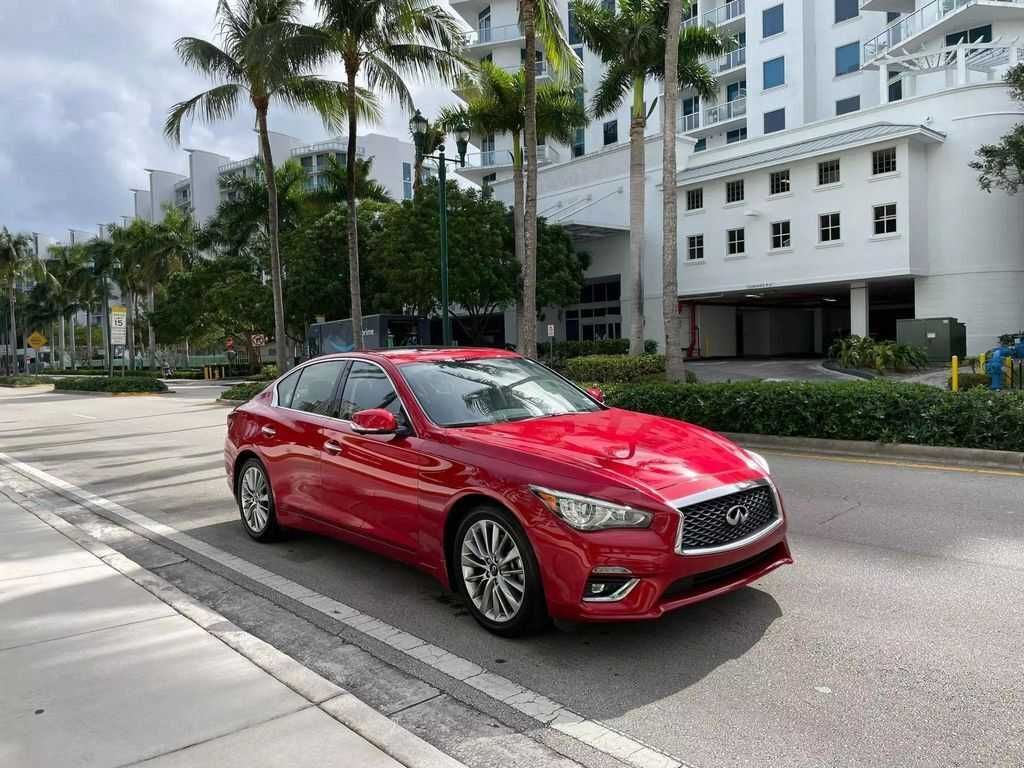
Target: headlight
x: 586, y: 514
x: 761, y: 461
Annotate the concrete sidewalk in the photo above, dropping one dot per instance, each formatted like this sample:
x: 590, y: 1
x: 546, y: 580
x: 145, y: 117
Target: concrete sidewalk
x: 98, y: 671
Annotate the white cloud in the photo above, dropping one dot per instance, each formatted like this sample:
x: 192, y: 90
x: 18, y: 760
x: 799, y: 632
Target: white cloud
x: 84, y: 89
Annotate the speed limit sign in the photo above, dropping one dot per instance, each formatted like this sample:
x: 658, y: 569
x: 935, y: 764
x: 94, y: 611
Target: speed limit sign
x: 118, y: 325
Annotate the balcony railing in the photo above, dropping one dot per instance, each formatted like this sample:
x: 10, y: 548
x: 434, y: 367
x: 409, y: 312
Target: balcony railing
x: 731, y: 60
x: 486, y: 35
x: 496, y: 158
x: 331, y: 145
x: 730, y: 110
x: 723, y: 14
x: 916, y: 22
x: 237, y: 164
x: 689, y: 122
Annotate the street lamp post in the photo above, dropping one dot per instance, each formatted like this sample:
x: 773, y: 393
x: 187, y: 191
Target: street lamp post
x: 419, y: 126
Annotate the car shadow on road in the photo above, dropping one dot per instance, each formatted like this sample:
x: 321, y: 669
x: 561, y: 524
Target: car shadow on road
x: 604, y: 670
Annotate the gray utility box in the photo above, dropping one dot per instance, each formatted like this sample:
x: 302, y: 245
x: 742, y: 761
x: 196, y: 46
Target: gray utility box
x: 940, y: 337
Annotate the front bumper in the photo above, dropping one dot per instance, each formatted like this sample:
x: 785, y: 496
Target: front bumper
x: 665, y: 579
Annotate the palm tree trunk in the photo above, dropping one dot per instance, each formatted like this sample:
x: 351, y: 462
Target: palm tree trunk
x: 12, y: 329
x: 675, y: 364
x: 353, y: 222
x: 637, y: 179
x: 273, y: 227
x: 417, y: 174
x: 130, y: 330
x: 63, y: 344
x: 528, y: 320
x: 74, y: 341
x: 88, y: 334
x: 150, y: 306
x: 518, y: 222
x: 105, y: 322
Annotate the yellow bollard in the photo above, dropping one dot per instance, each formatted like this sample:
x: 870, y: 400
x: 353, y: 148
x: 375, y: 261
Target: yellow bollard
x: 1008, y: 363
x: 954, y: 382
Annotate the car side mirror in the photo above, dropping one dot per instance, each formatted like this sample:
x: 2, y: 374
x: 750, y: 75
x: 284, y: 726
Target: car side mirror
x: 375, y: 421
x: 597, y: 393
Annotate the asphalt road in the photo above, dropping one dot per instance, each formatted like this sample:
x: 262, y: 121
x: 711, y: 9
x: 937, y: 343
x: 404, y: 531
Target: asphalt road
x: 896, y: 638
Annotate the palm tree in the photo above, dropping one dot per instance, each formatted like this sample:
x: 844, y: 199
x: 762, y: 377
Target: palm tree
x: 385, y: 42
x: 269, y: 56
x: 631, y: 43
x: 496, y: 103
x: 675, y: 364
x: 538, y: 18
x: 70, y: 269
x: 332, y: 186
x: 131, y: 248
x: 170, y: 247
x: 17, y: 262
x: 101, y: 257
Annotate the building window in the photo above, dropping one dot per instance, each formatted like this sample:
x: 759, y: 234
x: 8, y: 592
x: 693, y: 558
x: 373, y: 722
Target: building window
x: 895, y: 86
x: 828, y: 227
x: 847, y: 9
x: 599, y: 312
x: 734, y: 191
x: 885, y: 219
x: 575, y: 38
x: 407, y: 181
x: 608, y: 5
x: 844, y: 106
x: 780, y: 235
x: 772, y: 21
x: 738, y: 134
x: 847, y: 58
x: 701, y: 145
x: 976, y: 35
x: 828, y: 172
x: 778, y: 182
x: 883, y: 161
x: 775, y: 121
x: 489, y: 179
x: 736, y: 242
x: 695, y: 247
x: 611, y: 132
x: 695, y: 199
x: 774, y: 72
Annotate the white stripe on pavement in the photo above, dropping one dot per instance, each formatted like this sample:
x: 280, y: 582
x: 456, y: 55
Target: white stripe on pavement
x: 542, y: 709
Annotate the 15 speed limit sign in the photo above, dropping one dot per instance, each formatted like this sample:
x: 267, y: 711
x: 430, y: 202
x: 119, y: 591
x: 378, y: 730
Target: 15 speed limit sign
x: 118, y: 325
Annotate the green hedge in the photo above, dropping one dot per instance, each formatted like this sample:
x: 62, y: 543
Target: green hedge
x: 613, y: 369
x: 868, y: 410
x: 971, y: 381
x: 115, y: 384
x: 246, y: 391
x: 23, y: 380
x: 558, y: 354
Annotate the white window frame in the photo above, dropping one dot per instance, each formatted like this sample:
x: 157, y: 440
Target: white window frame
x: 788, y: 235
x: 838, y: 171
x: 885, y: 220
x: 733, y: 185
x: 876, y: 154
x: 694, y: 245
x: 695, y: 191
x: 831, y: 227
x: 786, y: 182
x: 736, y: 242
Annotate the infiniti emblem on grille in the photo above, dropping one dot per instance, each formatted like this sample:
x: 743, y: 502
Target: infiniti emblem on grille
x: 737, y: 515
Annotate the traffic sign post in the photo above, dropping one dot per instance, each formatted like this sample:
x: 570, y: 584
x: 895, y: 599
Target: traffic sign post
x: 37, y: 341
x: 119, y: 331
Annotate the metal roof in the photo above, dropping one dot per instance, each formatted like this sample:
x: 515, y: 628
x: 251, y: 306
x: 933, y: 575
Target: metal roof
x: 867, y: 134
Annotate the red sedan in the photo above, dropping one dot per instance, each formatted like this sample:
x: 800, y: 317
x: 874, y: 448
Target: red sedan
x: 506, y: 482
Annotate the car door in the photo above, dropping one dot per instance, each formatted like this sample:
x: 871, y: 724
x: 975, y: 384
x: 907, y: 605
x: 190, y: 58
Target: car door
x: 370, y: 481
x: 293, y: 441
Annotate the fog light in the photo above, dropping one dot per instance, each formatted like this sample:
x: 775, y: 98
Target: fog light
x: 608, y: 589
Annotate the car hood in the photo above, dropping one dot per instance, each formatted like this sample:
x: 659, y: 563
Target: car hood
x: 651, y: 451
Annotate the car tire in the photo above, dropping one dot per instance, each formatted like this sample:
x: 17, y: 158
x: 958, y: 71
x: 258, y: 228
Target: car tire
x: 255, y: 500
x: 505, y: 598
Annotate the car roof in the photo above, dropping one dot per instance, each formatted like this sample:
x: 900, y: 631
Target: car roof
x: 403, y: 355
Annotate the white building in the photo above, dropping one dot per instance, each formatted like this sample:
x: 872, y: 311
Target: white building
x: 825, y: 191
x: 199, y: 190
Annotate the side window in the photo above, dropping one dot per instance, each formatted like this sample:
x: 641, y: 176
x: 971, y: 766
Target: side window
x: 315, y: 390
x: 286, y: 388
x: 367, y: 386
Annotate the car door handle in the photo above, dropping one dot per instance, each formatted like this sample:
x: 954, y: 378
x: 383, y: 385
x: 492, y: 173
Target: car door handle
x: 268, y: 431
x: 332, y: 446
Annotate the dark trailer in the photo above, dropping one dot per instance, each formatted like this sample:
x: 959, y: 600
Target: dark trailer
x: 379, y: 332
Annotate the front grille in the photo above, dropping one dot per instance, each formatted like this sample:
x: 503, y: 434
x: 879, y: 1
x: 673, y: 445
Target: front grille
x: 701, y: 582
x: 705, y: 524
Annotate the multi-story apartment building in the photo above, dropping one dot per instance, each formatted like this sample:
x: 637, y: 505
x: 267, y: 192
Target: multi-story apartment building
x: 826, y: 190
x: 199, y: 190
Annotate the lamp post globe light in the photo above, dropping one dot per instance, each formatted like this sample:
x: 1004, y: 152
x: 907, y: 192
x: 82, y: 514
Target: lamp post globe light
x: 418, y: 127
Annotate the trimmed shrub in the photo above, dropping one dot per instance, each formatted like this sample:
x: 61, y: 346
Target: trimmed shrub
x: 24, y: 380
x: 246, y: 391
x: 268, y: 372
x: 863, y: 352
x: 866, y: 410
x: 613, y: 369
x: 104, y: 384
x: 971, y: 381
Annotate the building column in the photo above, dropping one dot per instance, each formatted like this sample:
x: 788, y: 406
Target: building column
x: 883, y: 83
x: 859, y: 301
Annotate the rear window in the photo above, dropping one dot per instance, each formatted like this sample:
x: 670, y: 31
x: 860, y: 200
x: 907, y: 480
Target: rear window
x: 315, y: 390
x: 286, y: 388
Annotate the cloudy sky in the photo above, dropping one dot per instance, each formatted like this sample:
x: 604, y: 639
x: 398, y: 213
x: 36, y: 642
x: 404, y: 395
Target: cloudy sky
x: 84, y: 89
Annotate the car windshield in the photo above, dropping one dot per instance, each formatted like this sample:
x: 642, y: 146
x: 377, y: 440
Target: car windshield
x: 463, y: 393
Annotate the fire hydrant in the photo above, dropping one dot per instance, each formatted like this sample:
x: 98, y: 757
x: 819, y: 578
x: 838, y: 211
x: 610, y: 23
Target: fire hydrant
x: 995, y: 365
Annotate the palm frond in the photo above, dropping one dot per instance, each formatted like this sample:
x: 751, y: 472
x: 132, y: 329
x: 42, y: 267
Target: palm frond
x: 599, y: 29
x: 215, y: 104
x: 557, y: 51
x: 329, y: 98
x: 205, y: 57
x: 696, y: 75
x: 612, y: 89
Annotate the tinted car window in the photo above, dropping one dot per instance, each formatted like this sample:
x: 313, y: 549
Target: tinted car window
x: 315, y: 389
x: 286, y: 388
x: 367, y: 386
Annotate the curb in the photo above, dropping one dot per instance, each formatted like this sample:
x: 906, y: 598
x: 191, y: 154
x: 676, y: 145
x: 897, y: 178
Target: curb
x: 857, y: 373
x: 970, y: 457
x: 231, y: 403
x: 398, y: 743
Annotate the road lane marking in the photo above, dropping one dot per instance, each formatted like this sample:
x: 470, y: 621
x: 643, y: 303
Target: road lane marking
x: 83, y: 416
x: 895, y: 463
x: 546, y: 712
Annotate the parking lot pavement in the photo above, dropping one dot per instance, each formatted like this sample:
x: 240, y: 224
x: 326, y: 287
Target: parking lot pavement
x: 795, y: 369
x: 893, y: 640
x: 98, y: 671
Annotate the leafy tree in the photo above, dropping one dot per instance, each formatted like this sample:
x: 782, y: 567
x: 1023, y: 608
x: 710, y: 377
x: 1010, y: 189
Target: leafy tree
x: 1001, y: 165
x: 17, y: 262
x: 385, y: 42
x: 333, y: 186
x: 560, y: 268
x: 269, y: 56
x: 631, y: 43
x: 241, y: 217
x: 69, y: 266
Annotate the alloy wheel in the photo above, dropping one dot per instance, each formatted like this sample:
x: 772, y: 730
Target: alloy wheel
x: 255, y: 499
x: 492, y: 570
